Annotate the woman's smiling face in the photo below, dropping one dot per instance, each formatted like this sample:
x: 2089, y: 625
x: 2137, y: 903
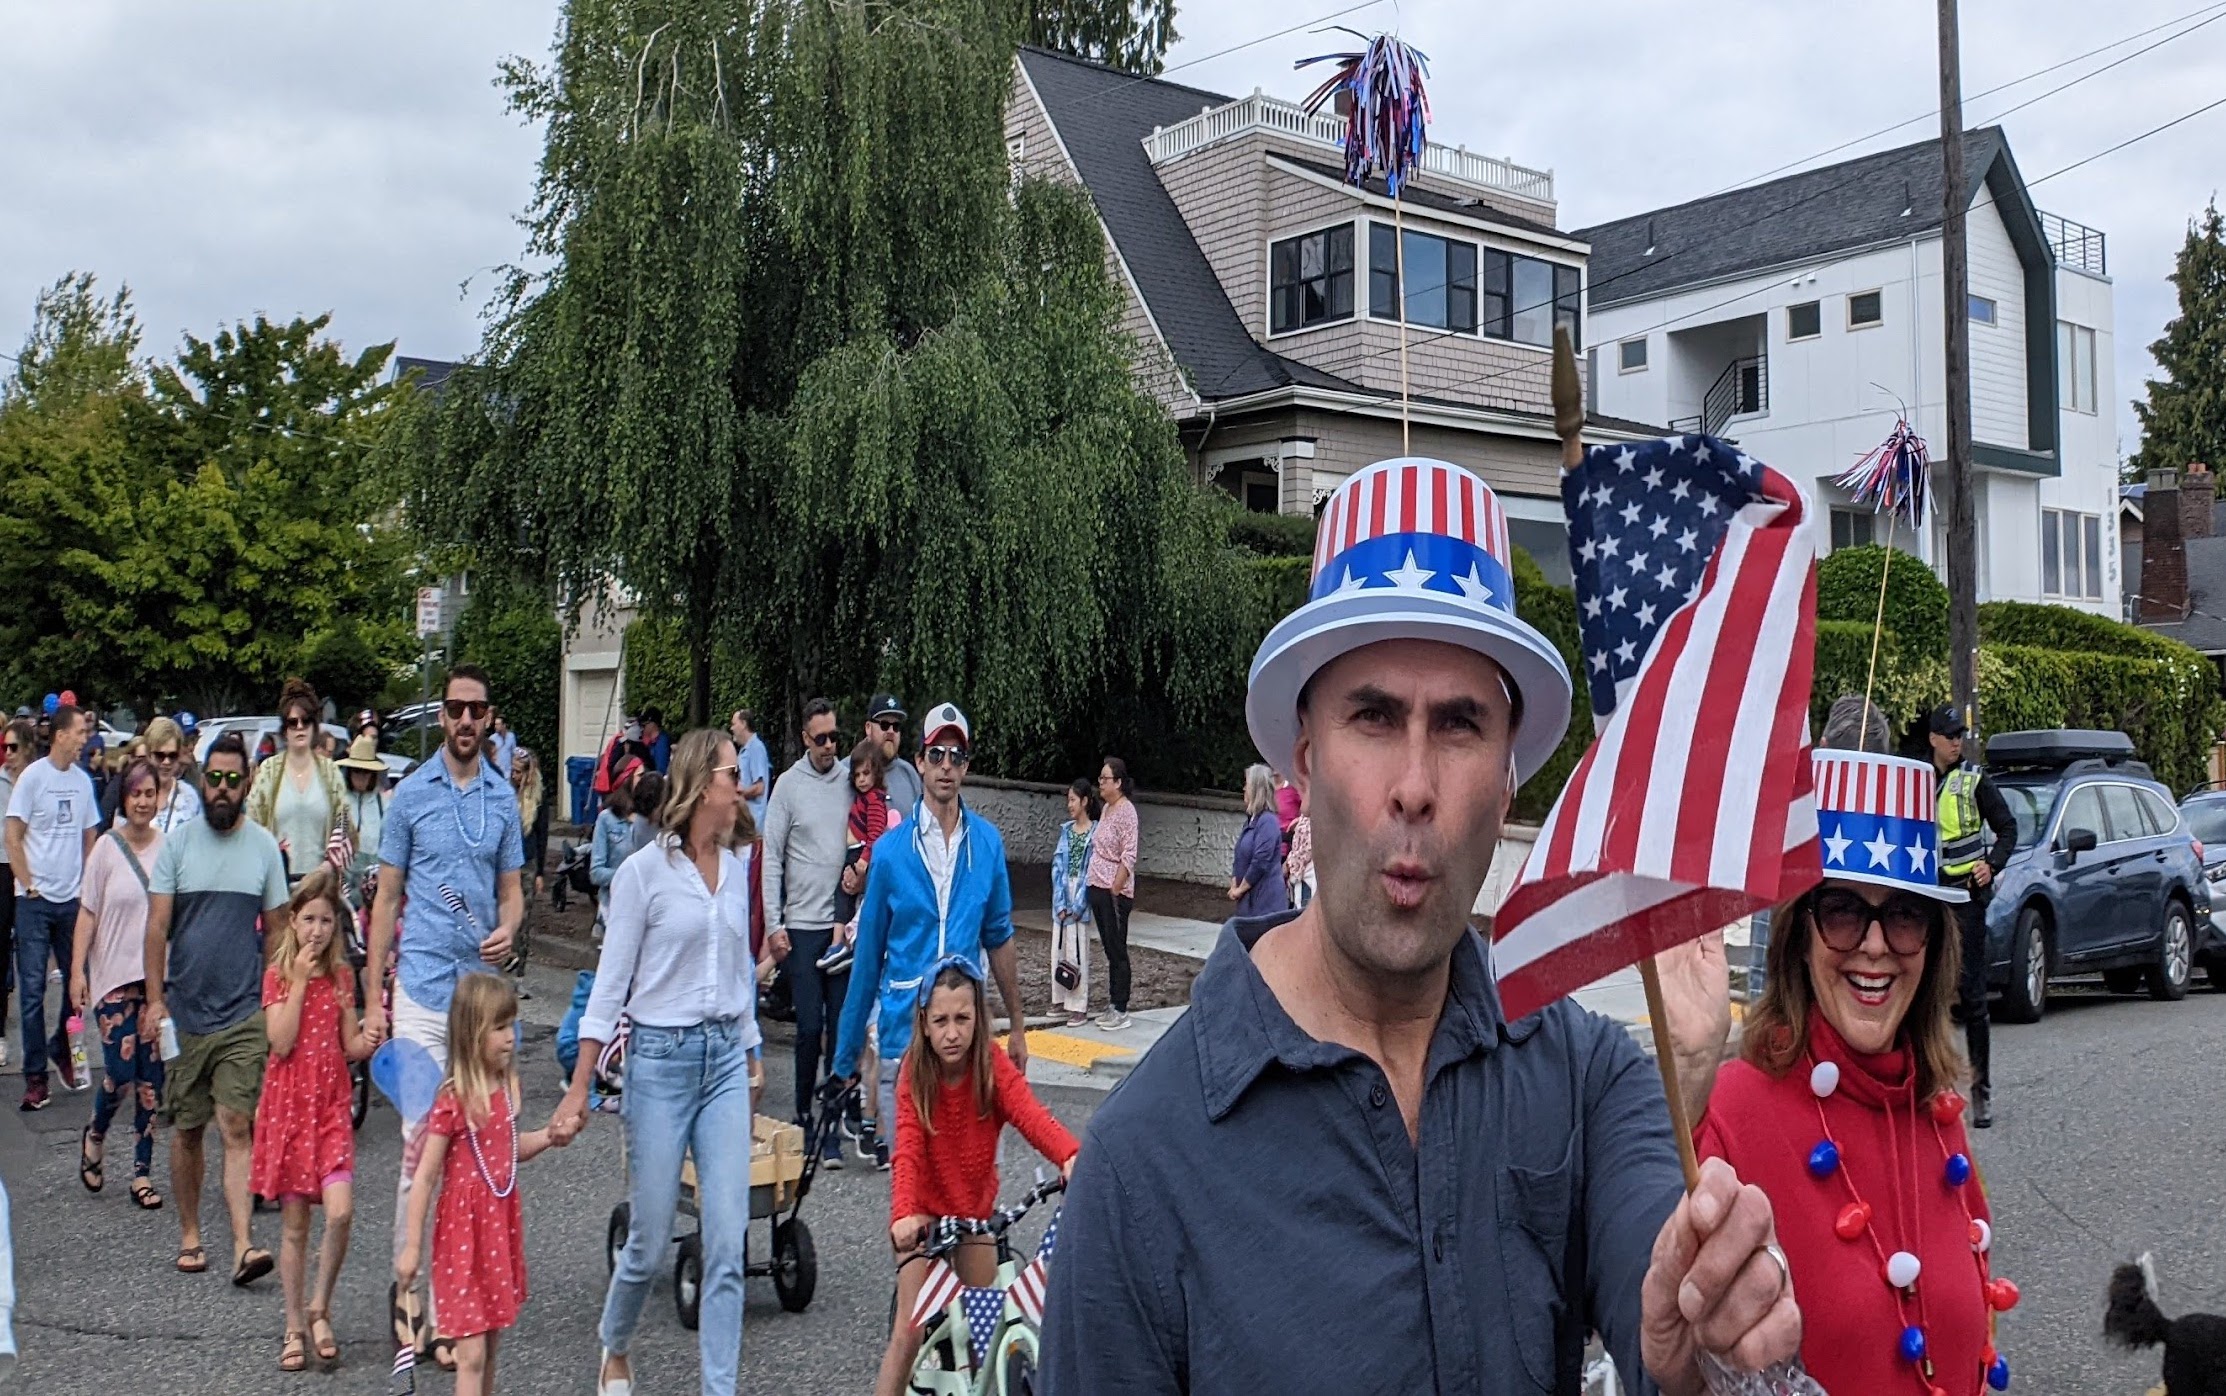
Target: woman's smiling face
x: 1864, y: 992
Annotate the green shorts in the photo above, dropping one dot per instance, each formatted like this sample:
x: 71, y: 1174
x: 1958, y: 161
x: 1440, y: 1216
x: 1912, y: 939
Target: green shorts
x: 219, y: 1068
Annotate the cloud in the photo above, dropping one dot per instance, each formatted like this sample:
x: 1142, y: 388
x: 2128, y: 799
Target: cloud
x: 226, y: 158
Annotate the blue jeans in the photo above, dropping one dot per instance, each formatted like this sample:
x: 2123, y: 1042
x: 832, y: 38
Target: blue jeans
x: 687, y: 1091
x: 42, y: 929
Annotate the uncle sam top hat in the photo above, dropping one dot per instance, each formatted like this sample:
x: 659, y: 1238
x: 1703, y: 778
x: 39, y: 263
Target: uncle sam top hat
x: 1409, y: 549
x: 1875, y: 816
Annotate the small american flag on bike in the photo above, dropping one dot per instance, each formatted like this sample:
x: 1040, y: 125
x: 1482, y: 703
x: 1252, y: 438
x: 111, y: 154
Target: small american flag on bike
x: 936, y: 1292
x: 1029, y: 1286
x: 983, y: 1307
x: 1695, y: 582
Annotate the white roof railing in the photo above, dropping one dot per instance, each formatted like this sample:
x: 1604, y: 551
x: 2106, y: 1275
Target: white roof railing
x: 1260, y: 112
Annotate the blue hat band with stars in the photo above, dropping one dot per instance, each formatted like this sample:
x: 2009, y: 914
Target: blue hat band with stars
x: 1437, y: 562
x: 1884, y: 850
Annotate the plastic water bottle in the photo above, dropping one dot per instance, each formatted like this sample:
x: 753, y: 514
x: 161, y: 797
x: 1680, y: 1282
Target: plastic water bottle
x: 169, y: 1035
x: 76, y: 1026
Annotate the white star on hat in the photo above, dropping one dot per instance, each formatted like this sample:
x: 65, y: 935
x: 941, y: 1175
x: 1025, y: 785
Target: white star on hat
x: 1351, y: 583
x: 1835, y: 845
x: 1473, y: 588
x: 1881, y: 851
x: 1409, y: 577
x: 1918, y: 853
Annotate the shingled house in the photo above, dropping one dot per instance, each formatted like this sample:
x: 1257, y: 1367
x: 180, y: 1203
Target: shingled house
x: 1263, y: 291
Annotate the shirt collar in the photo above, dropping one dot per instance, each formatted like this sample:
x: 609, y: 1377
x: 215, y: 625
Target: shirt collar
x: 442, y: 775
x: 1242, y: 1028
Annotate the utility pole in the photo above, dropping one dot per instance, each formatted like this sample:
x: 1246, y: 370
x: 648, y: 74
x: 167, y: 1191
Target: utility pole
x: 1963, y: 559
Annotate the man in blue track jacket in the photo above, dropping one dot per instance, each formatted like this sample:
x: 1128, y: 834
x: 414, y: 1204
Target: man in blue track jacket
x: 938, y: 887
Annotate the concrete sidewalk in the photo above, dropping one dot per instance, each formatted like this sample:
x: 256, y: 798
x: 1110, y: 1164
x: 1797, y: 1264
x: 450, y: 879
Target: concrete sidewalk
x: 1089, y: 1057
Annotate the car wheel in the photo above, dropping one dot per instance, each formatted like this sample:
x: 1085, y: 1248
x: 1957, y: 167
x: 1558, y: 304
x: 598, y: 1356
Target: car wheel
x: 2175, y: 954
x: 2124, y: 981
x: 2026, y: 998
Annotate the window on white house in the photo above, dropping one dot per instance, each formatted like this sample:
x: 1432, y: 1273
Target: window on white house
x: 2075, y: 367
x: 2071, y: 555
x: 1865, y: 308
x: 1853, y: 528
x: 1804, y: 321
x: 1310, y: 279
x: 1441, y: 279
x: 1983, y: 310
x: 1631, y: 355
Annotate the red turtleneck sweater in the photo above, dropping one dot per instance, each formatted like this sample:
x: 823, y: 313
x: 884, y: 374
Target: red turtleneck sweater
x: 1852, y: 1320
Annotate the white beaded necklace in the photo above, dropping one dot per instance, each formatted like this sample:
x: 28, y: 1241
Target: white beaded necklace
x: 471, y: 1133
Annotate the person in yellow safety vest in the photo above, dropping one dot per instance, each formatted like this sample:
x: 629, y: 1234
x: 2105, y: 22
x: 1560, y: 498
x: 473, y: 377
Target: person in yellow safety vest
x: 1969, y: 808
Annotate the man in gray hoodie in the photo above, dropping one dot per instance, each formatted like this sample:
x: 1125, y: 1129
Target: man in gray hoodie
x: 807, y: 828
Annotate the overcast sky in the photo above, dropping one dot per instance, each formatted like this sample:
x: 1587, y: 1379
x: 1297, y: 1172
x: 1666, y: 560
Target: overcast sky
x: 225, y: 158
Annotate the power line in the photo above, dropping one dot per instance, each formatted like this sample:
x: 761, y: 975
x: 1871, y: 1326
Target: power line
x: 2133, y: 140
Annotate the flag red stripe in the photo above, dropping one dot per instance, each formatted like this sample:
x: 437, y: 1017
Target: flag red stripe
x: 1711, y: 751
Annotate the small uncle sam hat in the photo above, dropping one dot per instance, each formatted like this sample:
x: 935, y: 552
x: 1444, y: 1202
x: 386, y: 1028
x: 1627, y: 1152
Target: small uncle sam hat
x: 1875, y: 817
x: 1409, y: 549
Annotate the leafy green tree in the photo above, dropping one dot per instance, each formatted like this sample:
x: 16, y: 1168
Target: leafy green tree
x: 511, y: 631
x: 1130, y: 34
x: 2184, y: 417
x: 810, y: 377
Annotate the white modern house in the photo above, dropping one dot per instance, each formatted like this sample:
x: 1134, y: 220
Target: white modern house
x: 1793, y: 316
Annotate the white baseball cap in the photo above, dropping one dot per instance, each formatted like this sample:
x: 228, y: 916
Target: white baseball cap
x: 944, y: 717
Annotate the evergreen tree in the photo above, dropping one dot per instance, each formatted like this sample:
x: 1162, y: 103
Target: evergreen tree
x: 1130, y: 34
x: 2184, y: 418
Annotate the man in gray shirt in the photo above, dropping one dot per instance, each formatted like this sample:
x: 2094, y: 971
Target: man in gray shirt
x: 807, y: 833
x: 1343, y: 1169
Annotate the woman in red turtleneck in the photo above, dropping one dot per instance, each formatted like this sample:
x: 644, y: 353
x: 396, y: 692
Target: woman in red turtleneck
x: 1843, y: 1110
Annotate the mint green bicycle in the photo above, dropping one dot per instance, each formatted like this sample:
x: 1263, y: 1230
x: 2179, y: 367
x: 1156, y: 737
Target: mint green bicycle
x: 982, y: 1341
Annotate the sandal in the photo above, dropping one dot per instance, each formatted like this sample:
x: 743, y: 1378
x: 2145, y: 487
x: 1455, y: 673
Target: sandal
x: 323, y: 1339
x: 144, y: 1195
x: 442, y: 1353
x: 192, y: 1260
x: 405, y: 1314
x: 293, y: 1353
x: 88, y: 1167
x: 254, y: 1263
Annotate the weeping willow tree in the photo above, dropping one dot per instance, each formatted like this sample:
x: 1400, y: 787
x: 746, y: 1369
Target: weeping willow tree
x: 806, y: 374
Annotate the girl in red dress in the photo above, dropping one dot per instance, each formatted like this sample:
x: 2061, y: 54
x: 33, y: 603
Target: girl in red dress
x: 472, y: 1149
x: 305, y: 1145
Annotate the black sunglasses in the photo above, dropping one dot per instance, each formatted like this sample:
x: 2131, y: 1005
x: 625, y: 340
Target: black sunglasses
x: 296, y: 724
x: 457, y: 707
x: 223, y: 779
x: 824, y: 738
x: 937, y: 755
x: 1844, y: 919
x: 155, y: 755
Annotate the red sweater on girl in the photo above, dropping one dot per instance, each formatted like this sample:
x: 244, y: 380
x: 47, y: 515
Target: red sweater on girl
x: 869, y: 819
x: 953, y: 1172
x: 1895, y: 1154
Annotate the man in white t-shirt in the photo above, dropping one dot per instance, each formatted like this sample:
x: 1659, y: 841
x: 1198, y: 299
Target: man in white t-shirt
x: 53, y: 818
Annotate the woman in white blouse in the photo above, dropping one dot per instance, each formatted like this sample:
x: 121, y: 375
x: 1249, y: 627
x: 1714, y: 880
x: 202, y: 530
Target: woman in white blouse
x: 676, y: 962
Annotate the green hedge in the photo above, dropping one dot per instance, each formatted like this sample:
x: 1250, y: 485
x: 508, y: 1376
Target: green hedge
x: 1272, y: 535
x: 1916, y: 602
x: 1554, y: 611
x: 2062, y: 628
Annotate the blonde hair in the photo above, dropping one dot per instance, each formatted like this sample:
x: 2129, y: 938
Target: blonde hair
x: 165, y: 729
x: 322, y: 885
x: 525, y: 778
x: 483, y: 1002
x: 927, y: 1069
x: 688, y: 776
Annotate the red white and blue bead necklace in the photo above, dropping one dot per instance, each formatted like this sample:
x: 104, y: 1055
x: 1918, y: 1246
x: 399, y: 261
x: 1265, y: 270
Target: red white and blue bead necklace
x: 1901, y: 1269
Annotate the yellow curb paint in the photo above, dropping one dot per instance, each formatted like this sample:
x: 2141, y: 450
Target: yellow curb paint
x: 1069, y: 1050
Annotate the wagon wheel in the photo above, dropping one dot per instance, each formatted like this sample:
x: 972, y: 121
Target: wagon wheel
x: 795, y: 1265
x: 614, y: 1239
x: 687, y: 1282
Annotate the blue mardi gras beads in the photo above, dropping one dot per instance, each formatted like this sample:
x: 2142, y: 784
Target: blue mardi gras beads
x: 1824, y: 1159
x: 1998, y: 1373
x: 1959, y: 1170
x: 1913, y: 1343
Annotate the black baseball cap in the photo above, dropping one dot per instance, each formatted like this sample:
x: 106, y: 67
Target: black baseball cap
x: 886, y: 705
x: 1945, y: 721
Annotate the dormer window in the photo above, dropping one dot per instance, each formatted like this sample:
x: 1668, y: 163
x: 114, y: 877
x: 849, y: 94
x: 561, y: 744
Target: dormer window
x: 1441, y: 279
x: 1310, y: 279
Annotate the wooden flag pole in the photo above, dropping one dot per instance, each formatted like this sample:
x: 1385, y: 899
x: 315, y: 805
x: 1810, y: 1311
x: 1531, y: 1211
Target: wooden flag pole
x: 1569, y: 425
x: 1399, y: 271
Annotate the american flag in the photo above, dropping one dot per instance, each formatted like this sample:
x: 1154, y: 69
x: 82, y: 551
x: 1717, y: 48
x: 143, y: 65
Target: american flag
x: 983, y: 1307
x: 1697, y: 596
x: 936, y: 1292
x: 340, y: 846
x: 403, y: 1381
x: 1030, y: 1285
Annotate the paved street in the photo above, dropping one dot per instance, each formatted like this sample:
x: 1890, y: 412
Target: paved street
x: 2107, y: 1144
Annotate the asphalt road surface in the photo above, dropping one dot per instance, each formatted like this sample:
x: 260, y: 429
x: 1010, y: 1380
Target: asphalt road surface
x: 2109, y: 1142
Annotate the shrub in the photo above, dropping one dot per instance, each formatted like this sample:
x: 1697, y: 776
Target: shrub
x: 1906, y: 685
x: 1553, y: 610
x: 512, y: 633
x: 1272, y: 535
x: 2169, y: 707
x: 2062, y: 628
x: 1916, y: 602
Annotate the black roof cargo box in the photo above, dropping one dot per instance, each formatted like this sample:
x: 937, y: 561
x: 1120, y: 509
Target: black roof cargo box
x: 2057, y: 747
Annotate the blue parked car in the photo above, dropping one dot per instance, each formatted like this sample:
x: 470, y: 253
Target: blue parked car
x: 2107, y: 877
x: 2204, y: 812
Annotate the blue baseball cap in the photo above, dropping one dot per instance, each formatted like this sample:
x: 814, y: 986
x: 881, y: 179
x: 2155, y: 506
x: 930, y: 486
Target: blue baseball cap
x: 965, y: 964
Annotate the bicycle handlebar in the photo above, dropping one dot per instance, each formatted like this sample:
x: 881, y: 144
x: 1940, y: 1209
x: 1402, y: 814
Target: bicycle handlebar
x: 946, y: 1232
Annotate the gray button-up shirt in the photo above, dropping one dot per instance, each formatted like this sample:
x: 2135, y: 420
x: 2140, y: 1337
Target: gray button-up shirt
x: 1249, y: 1215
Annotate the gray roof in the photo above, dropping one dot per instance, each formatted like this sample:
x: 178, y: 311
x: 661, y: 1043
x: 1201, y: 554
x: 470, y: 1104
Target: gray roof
x: 1415, y: 196
x: 1103, y: 116
x: 1864, y: 202
x: 2205, y: 627
x: 431, y: 374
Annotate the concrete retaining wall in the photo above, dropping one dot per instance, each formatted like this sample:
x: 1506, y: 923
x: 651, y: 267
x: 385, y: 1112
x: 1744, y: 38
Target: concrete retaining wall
x: 1183, y: 838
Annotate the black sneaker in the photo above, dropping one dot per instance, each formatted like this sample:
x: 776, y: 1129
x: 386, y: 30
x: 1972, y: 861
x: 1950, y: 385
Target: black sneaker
x: 881, y: 1155
x: 34, y: 1096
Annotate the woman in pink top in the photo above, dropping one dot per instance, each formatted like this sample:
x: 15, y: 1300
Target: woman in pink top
x: 109, y: 971
x: 1113, y: 881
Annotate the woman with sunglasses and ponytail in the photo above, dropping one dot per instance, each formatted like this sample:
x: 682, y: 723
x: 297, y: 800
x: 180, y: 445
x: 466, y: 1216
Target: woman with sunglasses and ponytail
x: 299, y: 794
x: 1845, y: 1110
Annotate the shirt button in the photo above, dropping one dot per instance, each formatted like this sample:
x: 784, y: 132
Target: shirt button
x: 1376, y: 1096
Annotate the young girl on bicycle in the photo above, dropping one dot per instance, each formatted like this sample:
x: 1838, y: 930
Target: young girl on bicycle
x: 305, y: 1144
x: 472, y: 1149
x: 956, y: 1091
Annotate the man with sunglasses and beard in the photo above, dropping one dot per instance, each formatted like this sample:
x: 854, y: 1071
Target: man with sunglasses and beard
x: 807, y: 833
x: 215, y: 879
x: 452, y: 835
x: 939, y: 887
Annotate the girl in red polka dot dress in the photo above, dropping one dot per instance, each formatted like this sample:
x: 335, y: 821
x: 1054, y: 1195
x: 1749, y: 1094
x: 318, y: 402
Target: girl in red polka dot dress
x: 473, y: 1148
x: 305, y: 1146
